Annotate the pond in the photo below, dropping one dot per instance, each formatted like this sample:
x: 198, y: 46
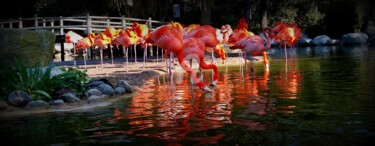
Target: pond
x: 317, y: 96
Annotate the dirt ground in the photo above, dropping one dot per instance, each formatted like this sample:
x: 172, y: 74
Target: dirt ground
x: 136, y: 73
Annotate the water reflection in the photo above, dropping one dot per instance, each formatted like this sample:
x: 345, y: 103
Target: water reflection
x: 318, y: 96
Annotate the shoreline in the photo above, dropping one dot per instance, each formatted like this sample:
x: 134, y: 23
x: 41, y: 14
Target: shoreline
x: 137, y: 75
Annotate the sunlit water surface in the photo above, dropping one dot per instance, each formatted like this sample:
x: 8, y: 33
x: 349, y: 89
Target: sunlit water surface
x: 317, y: 96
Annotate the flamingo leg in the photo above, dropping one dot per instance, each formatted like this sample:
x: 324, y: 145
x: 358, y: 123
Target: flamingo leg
x: 84, y: 56
x: 74, y: 55
x: 286, y: 60
x: 135, y: 53
x: 111, y: 53
x: 265, y: 60
x: 170, y: 70
x: 127, y: 61
x: 144, y: 57
x: 157, y: 55
x: 101, y: 57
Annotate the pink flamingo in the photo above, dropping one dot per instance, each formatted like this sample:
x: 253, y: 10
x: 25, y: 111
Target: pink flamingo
x: 85, y: 43
x: 72, y: 37
x: 112, y: 33
x: 254, y: 44
x: 126, y: 38
x: 102, y: 40
x: 170, y: 39
x: 141, y: 30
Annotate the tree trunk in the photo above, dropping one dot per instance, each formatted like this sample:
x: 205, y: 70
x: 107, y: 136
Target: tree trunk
x: 206, y: 12
x: 247, y: 14
x: 263, y: 6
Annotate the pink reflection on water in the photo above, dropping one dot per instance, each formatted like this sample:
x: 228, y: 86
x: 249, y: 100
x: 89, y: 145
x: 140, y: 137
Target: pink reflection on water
x: 159, y: 112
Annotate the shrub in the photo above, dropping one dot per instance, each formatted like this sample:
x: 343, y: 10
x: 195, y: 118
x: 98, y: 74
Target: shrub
x: 40, y: 85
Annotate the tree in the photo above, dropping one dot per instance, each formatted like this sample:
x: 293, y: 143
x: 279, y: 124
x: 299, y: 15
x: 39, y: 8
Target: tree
x: 205, y: 16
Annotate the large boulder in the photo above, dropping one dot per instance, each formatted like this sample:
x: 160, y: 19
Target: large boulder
x: 321, y: 40
x: 29, y: 47
x: 354, y: 38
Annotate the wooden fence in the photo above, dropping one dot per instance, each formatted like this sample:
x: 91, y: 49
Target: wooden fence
x: 81, y: 24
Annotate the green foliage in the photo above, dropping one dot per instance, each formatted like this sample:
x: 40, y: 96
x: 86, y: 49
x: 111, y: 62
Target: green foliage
x: 73, y: 78
x: 39, y: 84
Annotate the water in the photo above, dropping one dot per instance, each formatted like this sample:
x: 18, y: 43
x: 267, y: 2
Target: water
x: 318, y: 96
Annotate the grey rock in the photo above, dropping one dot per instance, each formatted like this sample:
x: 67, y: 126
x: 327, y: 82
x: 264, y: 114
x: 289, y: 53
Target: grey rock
x: 56, y: 102
x: 19, y: 98
x: 354, y: 38
x: 36, y: 104
x: 30, y: 47
x: 69, y: 97
x: 120, y: 90
x: 125, y: 85
x: 3, y: 105
x: 321, y: 40
x: 94, y: 98
x: 94, y: 91
x: 106, y: 89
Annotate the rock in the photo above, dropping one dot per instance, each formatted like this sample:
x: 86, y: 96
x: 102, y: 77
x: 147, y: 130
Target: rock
x: 97, y: 82
x: 125, y: 85
x: 3, y: 105
x: 70, y: 97
x: 56, y: 102
x: 54, y: 71
x: 120, y: 90
x: 36, y: 104
x: 94, y: 91
x: 19, y: 98
x: 321, y: 40
x: 61, y: 91
x: 94, y: 98
x: 106, y: 89
x: 29, y: 47
x: 354, y: 38
x: 304, y: 41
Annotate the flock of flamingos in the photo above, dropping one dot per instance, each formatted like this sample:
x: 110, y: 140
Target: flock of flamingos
x: 191, y: 42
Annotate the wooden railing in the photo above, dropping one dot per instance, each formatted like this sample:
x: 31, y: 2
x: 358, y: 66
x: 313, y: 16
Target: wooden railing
x: 87, y: 24
x: 82, y: 25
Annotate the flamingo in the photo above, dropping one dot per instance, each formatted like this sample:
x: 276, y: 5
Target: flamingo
x: 85, y: 43
x: 72, y: 37
x: 287, y: 35
x: 254, y: 44
x: 242, y: 24
x: 112, y: 33
x: 141, y: 30
x: 209, y: 36
x: 102, y: 40
x: 194, y: 49
x: 170, y: 39
x: 126, y: 38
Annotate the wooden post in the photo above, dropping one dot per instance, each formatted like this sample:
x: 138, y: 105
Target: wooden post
x: 109, y: 45
x: 61, y: 25
x: 62, y: 51
x: 88, y: 22
x: 36, y: 21
x: 44, y: 22
x: 151, y: 52
x: 123, y: 23
x: 52, y: 25
x: 20, y: 23
x: 90, y: 51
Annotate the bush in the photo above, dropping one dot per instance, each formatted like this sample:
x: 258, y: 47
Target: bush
x: 40, y: 85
